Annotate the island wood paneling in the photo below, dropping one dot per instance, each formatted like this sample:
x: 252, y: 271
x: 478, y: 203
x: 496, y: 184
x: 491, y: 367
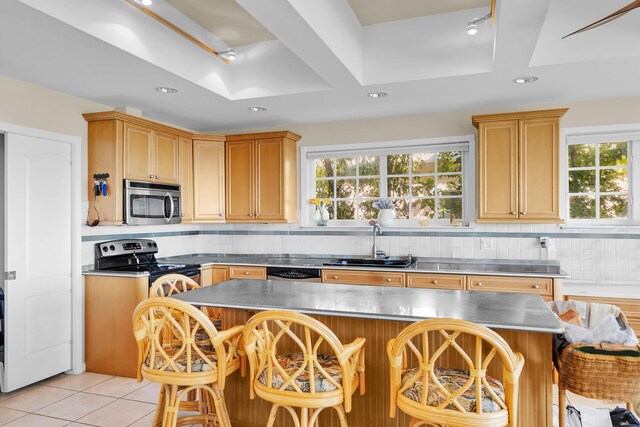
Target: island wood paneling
x: 372, y: 409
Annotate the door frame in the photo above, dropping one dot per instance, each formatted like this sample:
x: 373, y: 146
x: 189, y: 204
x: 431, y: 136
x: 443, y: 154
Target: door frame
x: 77, y: 292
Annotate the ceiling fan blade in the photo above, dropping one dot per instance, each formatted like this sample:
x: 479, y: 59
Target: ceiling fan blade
x: 615, y: 15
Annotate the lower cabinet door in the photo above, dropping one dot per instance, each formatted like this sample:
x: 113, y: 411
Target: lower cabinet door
x: 356, y: 277
x: 437, y: 281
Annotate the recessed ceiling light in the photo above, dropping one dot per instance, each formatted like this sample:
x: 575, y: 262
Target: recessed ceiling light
x: 378, y: 94
x: 144, y: 2
x: 525, y: 79
x: 166, y: 89
x: 257, y: 109
x: 472, y: 26
x: 472, y: 29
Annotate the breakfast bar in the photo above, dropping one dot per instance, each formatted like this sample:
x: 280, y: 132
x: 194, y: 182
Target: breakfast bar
x: 378, y: 314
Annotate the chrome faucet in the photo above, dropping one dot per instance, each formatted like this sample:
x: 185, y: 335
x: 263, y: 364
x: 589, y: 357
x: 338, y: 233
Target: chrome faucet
x: 375, y: 253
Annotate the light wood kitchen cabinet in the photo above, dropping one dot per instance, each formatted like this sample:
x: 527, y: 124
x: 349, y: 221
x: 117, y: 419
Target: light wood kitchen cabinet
x: 186, y: 179
x: 150, y: 155
x: 130, y: 147
x: 527, y: 285
x: 261, y: 177
x: 243, y: 272
x: 519, y: 167
x: 213, y: 274
x: 363, y: 277
x: 630, y: 307
x: 208, y: 179
x: 437, y: 281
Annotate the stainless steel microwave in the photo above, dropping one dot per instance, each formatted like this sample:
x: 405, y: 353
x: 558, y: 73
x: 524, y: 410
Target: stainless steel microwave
x: 148, y: 203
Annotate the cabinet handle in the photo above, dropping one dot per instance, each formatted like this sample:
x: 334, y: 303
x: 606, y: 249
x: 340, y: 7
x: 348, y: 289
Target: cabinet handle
x: 536, y: 286
x: 335, y: 277
x: 479, y: 283
x: 435, y: 282
x: 523, y: 213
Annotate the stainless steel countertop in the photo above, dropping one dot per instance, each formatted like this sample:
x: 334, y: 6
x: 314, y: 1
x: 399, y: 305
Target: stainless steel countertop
x: 492, y: 267
x: 513, y: 311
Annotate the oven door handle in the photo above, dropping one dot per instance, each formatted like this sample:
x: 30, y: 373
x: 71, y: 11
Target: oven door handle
x: 171, y: 209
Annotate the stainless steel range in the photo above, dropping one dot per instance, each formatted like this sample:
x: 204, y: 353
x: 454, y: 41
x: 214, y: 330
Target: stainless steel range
x: 138, y: 256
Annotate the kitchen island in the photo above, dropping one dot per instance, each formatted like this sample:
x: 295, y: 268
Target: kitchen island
x: 379, y: 314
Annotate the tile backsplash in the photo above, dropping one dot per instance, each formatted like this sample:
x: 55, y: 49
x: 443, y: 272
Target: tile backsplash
x: 602, y: 256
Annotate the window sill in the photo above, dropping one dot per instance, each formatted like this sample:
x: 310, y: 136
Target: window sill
x: 615, y: 227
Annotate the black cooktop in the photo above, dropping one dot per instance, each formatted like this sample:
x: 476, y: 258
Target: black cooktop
x: 157, y: 268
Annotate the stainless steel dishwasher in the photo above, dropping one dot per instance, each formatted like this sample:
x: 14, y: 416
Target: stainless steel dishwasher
x: 294, y: 274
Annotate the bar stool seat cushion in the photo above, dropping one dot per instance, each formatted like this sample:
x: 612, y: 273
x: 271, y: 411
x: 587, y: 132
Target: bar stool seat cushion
x: 453, y: 380
x: 292, y: 362
x: 198, y: 364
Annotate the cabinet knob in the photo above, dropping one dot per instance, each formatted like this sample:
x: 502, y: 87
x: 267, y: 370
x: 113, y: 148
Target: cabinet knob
x: 157, y: 177
x: 435, y: 282
x: 513, y: 213
x: 335, y: 277
x: 257, y: 215
x: 389, y: 280
x: 536, y: 286
x: 251, y: 215
x: 523, y: 213
x: 151, y: 176
x: 246, y: 273
x: 479, y: 283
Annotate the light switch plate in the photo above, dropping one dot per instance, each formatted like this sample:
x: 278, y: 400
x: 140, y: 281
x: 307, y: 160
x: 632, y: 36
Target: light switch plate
x: 487, y: 243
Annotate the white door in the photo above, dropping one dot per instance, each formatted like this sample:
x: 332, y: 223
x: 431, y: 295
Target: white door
x: 38, y: 248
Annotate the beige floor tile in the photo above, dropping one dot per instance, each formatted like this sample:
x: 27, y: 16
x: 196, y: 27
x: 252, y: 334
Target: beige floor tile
x: 7, y: 415
x: 78, y: 382
x: 5, y: 396
x: 118, y: 414
x: 76, y: 406
x: 148, y: 393
x: 144, y: 422
x: 36, y: 398
x: 116, y: 387
x: 33, y: 420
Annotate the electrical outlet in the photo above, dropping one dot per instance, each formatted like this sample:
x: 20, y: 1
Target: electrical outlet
x: 544, y: 242
x: 487, y: 244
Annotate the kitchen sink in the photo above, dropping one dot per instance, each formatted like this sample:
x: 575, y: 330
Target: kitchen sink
x: 388, y: 262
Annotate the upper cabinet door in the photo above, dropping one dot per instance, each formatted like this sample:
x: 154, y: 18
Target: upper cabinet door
x: 539, y: 169
x: 166, y: 158
x: 498, y: 170
x: 240, y: 181
x: 186, y: 178
x: 270, y: 180
x: 139, y: 148
x: 208, y: 173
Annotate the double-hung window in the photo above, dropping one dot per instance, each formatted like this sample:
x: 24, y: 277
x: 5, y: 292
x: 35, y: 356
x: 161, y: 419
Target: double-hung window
x: 600, y: 178
x: 426, y: 180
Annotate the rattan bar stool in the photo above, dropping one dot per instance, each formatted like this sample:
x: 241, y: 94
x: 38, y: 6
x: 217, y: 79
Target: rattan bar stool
x: 448, y: 396
x: 297, y: 362
x: 184, y: 363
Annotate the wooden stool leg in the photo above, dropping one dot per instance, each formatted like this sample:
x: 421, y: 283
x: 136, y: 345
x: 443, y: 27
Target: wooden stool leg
x: 157, y: 419
x: 220, y: 407
x: 341, y: 415
x: 304, y: 417
x: 171, y: 408
x: 272, y: 415
x: 562, y: 406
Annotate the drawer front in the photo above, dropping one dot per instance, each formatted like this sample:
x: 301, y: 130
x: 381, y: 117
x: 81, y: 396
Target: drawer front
x: 630, y: 307
x: 436, y: 281
x: 351, y: 277
x: 527, y: 285
x: 237, y: 272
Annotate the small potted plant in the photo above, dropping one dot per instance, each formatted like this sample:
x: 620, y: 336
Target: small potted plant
x: 387, y: 215
x: 321, y: 215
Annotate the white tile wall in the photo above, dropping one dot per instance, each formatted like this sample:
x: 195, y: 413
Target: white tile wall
x: 587, y: 260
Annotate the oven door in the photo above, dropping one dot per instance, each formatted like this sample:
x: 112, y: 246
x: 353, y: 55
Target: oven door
x: 148, y: 206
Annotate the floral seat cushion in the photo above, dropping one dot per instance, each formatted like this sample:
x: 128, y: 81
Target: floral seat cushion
x: 453, y: 380
x: 292, y: 362
x: 198, y: 363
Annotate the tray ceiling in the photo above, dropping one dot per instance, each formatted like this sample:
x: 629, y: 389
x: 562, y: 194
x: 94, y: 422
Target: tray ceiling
x: 370, y: 12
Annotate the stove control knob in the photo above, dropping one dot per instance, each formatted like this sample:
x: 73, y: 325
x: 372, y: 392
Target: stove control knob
x: 155, y: 245
x: 113, y: 248
x: 105, y: 249
x: 149, y: 244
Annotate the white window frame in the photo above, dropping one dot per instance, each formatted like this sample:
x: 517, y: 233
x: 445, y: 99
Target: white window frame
x: 596, y: 135
x: 307, y: 173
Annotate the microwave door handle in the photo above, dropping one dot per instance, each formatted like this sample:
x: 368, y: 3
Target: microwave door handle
x: 171, y: 209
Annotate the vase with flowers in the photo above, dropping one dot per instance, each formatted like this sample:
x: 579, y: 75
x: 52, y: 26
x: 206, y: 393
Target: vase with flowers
x: 387, y: 215
x: 321, y: 215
